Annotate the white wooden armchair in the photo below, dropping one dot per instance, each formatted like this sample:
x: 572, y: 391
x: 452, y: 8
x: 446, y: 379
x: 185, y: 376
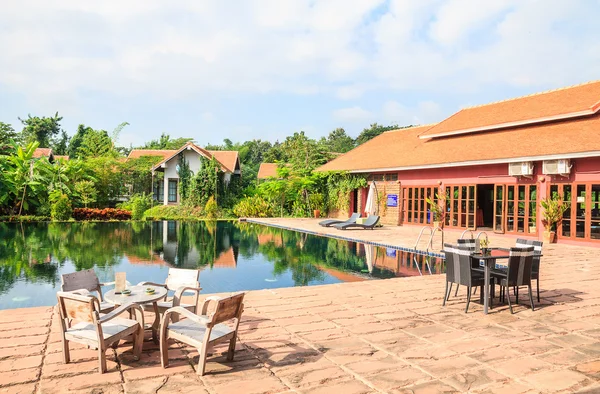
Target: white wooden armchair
x: 98, y: 332
x: 87, y: 280
x: 205, y: 330
x: 181, y: 281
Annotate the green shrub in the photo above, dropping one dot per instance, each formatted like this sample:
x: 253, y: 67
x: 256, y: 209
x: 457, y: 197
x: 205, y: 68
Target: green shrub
x: 211, y: 209
x: 140, y: 203
x: 173, y: 212
x: 254, y: 207
x: 61, y: 208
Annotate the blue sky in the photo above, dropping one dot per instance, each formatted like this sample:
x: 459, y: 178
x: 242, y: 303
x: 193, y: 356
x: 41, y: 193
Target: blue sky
x: 265, y: 68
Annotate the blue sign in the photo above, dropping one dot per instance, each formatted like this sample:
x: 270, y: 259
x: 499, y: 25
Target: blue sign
x: 390, y: 252
x: 392, y: 200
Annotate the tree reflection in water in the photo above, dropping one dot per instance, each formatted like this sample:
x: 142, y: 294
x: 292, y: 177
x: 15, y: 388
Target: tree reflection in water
x: 38, y: 253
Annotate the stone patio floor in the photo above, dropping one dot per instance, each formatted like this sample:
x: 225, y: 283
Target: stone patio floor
x: 372, y: 336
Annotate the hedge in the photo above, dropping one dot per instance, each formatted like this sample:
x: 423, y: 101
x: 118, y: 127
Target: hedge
x: 101, y: 214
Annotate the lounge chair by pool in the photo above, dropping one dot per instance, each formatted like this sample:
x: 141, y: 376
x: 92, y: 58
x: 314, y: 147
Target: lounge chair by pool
x: 369, y: 223
x: 331, y: 222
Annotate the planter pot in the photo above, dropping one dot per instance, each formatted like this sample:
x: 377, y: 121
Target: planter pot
x: 532, y: 229
x: 437, y: 224
x: 317, y: 213
x: 549, y: 237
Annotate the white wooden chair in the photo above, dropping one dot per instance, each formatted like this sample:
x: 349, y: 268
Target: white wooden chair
x: 87, y: 280
x: 205, y: 330
x: 98, y: 332
x: 181, y: 281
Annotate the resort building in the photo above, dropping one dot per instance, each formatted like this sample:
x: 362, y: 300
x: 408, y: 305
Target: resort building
x: 166, y: 190
x: 495, y: 162
x: 266, y: 171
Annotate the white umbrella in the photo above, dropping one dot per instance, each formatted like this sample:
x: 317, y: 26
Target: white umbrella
x: 371, y: 204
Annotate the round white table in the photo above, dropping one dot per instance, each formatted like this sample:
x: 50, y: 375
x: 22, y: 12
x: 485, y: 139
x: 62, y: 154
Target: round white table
x: 140, y: 296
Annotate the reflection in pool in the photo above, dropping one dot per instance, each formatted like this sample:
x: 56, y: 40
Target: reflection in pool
x: 232, y: 256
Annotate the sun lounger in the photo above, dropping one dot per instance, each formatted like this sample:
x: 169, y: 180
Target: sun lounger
x: 369, y: 223
x: 331, y: 222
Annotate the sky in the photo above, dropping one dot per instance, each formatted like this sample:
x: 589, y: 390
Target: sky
x: 245, y: 69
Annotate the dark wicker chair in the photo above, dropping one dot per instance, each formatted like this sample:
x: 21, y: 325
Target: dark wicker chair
x: 518, y: 274
x: 459, y: 270
x: 471, y: 244
x: 535, y: 267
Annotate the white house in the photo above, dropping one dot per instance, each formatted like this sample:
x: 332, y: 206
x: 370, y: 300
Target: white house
x: 167, y: 191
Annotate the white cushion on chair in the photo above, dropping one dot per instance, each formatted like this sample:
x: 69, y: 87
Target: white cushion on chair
x: 195, y: 331
x: 87, y: 331
x: 106, y: 307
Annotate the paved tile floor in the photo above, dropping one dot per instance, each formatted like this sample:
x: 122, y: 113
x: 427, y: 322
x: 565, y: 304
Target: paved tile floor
x: 372, y: 336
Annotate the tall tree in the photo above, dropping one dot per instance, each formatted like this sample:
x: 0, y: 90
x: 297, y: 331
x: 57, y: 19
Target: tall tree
x: 165, y: 142
x: 338, y: 141
x: 96, y: 143
x: 374, y: 131
x: 60, y: 144
x: 77, y: 140
x: 7, y: 134
x: 41, y: 130
x: 304, y: 154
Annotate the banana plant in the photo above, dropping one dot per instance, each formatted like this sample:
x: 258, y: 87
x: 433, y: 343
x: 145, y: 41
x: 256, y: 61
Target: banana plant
x: 25, y: 175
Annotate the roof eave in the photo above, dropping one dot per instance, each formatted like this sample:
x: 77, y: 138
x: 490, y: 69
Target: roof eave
x: 577, y: 155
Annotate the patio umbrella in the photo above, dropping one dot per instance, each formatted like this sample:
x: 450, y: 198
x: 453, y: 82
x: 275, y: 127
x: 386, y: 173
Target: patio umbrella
x: 371, y: 204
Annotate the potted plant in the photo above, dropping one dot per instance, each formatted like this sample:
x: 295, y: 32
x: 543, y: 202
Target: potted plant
x: 484, y: 245
x: 553, y: 211
x: 316, y: 201
x: 438, y: 209
x: 532, y: 223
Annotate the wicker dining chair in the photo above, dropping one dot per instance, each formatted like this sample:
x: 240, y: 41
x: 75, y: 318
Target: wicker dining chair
x: 535, y: 266
x: 517, y: 274
x: 459, y: 270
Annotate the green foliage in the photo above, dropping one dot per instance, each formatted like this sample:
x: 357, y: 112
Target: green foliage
x: 554, y: 208
x: 140, y: 203
x: 165, y: 142
x: 96, y: 143
x: 136, y: 173
x: 253, y: 207
x: 61, y: 208
x: 77, y: 140
x: 60, y: 144
x: 211, y: 209
x: 24, y: 178
x: 339, y: 185
x: 41, y: 130
x: 304, y: 154
x: 185, y: 177
x: 338, y: 141
x: 174, y: 212
x: 207, y: 182
x: 86, y: 192
x: 374, y: 130
x: 7, y: 136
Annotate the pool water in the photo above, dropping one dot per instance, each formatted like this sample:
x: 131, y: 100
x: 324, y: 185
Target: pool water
x: 232, y: 256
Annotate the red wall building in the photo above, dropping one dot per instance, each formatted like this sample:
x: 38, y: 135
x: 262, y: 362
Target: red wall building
x: 495, y: 162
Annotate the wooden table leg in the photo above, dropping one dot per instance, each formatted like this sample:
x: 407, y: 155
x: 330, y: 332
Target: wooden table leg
x: 486, y: 288
x: 156, y: 324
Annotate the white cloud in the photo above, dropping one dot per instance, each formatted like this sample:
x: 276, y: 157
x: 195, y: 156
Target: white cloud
x: 352, y: 114
x: 423, y: 113
x: 57, y: 53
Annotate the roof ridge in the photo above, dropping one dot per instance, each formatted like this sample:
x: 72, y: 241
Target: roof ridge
x: 532, y: 94
x: 411, y: 127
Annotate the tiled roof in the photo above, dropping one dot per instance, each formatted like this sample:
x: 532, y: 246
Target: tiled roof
x: 228, y: 158
x: 42, y: 152
x: 402, y: 149
x: 573, y: 101
x: 61, y: 157
x: 267, y: 170
x: 201, y: 151
x: 137, y: 153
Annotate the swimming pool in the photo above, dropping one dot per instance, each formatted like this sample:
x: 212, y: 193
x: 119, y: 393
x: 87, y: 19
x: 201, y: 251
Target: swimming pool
x: 232, y: 256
